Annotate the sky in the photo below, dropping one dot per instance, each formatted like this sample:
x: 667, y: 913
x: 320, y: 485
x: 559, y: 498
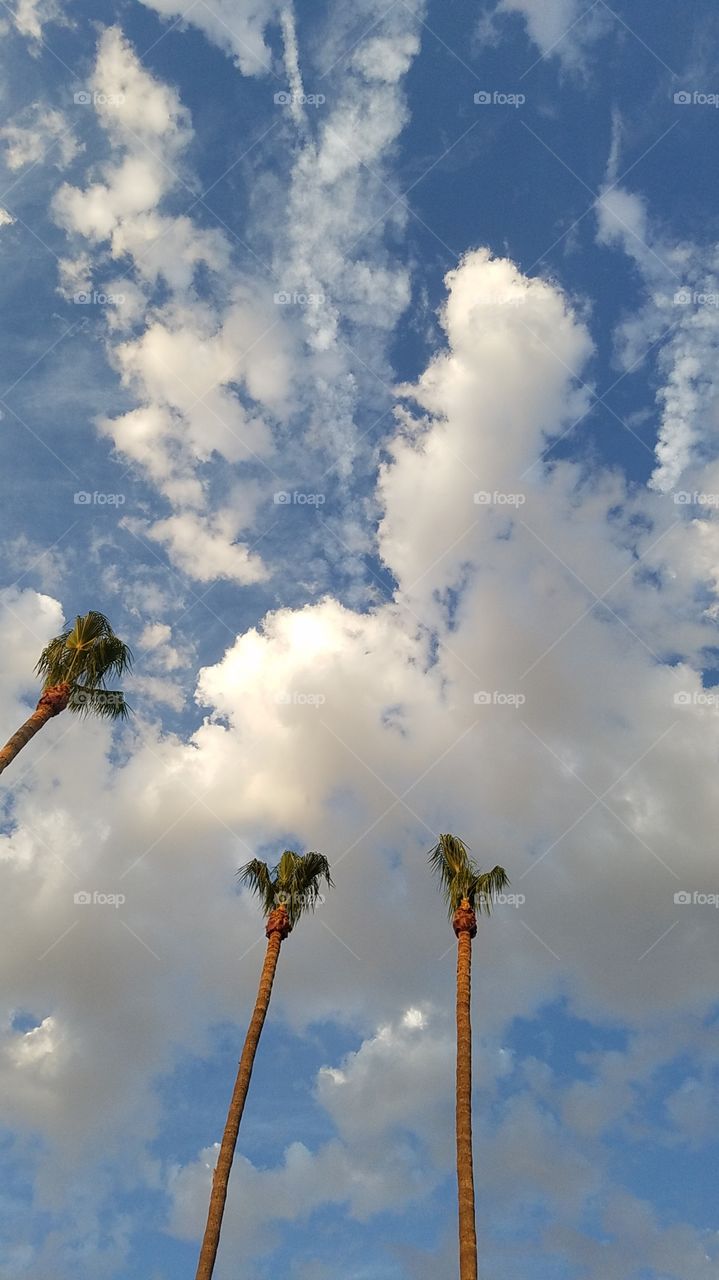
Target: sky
x: 359, y: 361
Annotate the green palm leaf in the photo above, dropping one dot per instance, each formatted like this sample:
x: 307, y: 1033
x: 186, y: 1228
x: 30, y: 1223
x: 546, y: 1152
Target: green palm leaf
x: 85, y: 657
x: 460, y: 877
x: 294, y: 883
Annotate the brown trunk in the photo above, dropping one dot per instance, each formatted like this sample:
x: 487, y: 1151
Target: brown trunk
x: 465, y: 927
x: 52, y: 702
x: 277, y: 929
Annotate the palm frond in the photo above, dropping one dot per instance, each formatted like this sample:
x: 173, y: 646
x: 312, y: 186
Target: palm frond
x: 450, y: 861
x: 256, y: 875
x: 109, y: 704
x: 488, y: 885
x: 49, y: 664
x: 84, y: 656
x: 107, y: 656
x: 460, y: 877
x: 294, y: 883
x: 316, y: 868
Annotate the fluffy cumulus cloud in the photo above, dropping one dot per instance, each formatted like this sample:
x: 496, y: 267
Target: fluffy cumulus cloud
x: 145, y: 120
x: 368, y: 1166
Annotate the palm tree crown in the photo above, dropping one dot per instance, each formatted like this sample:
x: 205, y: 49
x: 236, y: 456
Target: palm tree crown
x: 294, y: 883
x: 461, y: 879
x: 83, y: 658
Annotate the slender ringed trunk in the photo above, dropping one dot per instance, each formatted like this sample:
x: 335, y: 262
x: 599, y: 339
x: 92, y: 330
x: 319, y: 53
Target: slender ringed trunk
x: 51, y: 703
x: 277, y: 929
x: 465, y: 927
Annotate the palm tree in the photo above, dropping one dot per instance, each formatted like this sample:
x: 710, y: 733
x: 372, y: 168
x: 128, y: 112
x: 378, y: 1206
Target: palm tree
x: 466, y: 890
x: 285, y: 893
x: 74, y: 667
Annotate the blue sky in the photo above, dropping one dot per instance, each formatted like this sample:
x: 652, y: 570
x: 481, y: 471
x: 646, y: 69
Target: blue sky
x: 360, y: 363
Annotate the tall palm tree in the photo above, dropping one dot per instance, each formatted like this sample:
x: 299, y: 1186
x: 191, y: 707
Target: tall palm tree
x: 466, y: 890
x: 74, y: 667
x: 286, y: 892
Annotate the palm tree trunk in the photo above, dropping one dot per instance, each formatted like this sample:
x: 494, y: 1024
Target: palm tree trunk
x: 52, y: 702
x: 276, y: 931
x: 465, y: 1174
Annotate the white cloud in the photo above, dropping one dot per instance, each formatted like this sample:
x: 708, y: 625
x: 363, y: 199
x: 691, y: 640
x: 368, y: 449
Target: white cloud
x: 31, y: 16
x: 358, y: 731
x: 168, y: 693
x: 145, y: 119
x: 206, y: 548
x: 187, y: 362
x: 559, y: 28
x: 237, y: 26
x: 45, y: 133
x: 680, y: 318
x: 392, y: 1086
